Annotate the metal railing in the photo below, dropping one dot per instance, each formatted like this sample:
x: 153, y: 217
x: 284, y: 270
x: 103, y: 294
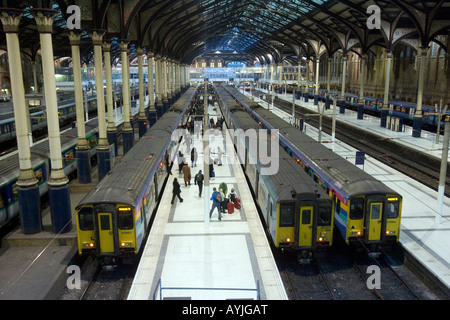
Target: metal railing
x: 158, y: 293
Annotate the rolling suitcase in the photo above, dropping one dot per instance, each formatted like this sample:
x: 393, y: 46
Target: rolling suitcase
x: 230, y: 207
x: 237, y: 203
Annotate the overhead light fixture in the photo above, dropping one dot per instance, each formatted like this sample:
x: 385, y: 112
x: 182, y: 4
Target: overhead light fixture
x: 217, y: 51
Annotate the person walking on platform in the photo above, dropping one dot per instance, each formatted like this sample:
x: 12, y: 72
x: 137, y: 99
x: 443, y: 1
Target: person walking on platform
x: 198, y: 180
x: 217, y: 199
x: 187, y: 174
x: 194, y: 156
x: 176, y: 190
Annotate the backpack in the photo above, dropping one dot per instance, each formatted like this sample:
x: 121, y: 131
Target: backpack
x: 218, y: 196
x: 199, y: 177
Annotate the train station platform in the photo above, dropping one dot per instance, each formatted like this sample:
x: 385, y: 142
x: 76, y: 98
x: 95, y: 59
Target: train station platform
x: 421, y: 236
x: 187, y: 257
x: 424, y: 144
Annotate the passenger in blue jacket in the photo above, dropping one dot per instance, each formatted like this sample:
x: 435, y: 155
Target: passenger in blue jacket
x: 216, y: 197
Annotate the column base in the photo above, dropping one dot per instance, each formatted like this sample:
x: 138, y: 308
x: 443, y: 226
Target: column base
x: 383, y: 117
x: 342, y: 106
x: 159, y: 109
x: 166, y: 106
x: 152, y: 117
x: 61, y: 213
x: 360, y: 111
x: 128, y: 137
x: 327, y: 103
x: 30, y: 209
x: 104, y: 162
x: 142, y: 127
x: 112, y: 140
x: 417, y: 127
x: 83, y: 166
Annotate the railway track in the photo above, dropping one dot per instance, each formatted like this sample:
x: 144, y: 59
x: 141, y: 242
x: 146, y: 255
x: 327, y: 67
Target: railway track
x: 100, y: 283
x: 343, y: 275
x: 421, y: 168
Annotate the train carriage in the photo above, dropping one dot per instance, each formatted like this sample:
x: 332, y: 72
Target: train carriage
x: 114, y: 218
x: 40, y: 155
x: 298, y: 214
x: 367, y: 212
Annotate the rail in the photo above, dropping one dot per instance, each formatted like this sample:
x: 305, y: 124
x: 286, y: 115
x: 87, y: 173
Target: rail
x: 158, y: 293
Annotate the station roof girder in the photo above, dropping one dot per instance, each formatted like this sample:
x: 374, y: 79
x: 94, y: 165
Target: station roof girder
x: 268, y: 31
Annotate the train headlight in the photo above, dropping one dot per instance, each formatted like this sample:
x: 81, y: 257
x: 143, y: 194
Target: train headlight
x: 320, y: 239
x: 125, y: 244
x: 288, y: 239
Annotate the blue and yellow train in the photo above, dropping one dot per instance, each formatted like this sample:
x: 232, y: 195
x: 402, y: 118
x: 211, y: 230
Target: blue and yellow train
x: 114, y: 218
x: 367, y: 212
x: 297, y: 212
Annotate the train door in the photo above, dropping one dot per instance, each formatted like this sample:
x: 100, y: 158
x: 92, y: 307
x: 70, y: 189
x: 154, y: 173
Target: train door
x: 305, y: 230
x: 376, y: 211
x: 105, y: 232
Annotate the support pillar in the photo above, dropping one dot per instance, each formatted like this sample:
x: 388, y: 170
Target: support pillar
x: 28, y: 189
x: 111, y: 130
x: 103, y: 148
x: 142, y: 119
x: 316, y: 92
x: 306, y: 92
x: 328, y: 95
x: 165, y: 99
x: 361, y: 87
x: 170, y: 93
x: 58, y: 184
x: 417, y: 120
x: 385, y: 109
x: 82, y: 148
x: 158, y: 79
x: 127, y: 131
x: 151, y: 91
x: 298, y: 92
x: 344, y: 73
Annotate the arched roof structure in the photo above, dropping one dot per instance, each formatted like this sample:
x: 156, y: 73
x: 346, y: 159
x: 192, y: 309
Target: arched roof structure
x: 260, y: 29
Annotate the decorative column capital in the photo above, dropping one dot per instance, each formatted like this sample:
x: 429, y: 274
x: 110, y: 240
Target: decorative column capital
x: 75, y: 38
x: 150, y: 55
x: 107, y: 45
x: 123, y: 44
x: 97, y: 37
x: 11, y: 19
x: 140, y: 51
x: 44, y: 19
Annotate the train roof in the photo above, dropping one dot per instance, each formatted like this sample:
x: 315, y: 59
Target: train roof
x: 127, y: 179
x: 180, y: 104
x: 340, y: 173
x: 9, y: 166
x: 289, y: 175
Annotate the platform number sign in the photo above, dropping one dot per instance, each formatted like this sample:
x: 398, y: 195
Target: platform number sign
x: 360, y: 156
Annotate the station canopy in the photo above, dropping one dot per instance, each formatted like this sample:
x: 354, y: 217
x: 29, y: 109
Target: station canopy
x: 252, y: 30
